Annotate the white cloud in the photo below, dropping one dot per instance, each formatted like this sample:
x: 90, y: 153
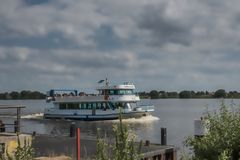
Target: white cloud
x: 169, y: 43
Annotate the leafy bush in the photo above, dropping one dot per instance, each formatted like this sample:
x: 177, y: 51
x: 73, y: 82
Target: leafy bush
x: 222, y: 139
x: 124, y: 147
x: 24, y: 152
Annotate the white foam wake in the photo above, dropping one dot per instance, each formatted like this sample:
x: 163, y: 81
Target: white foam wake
x: 145, y: 119
x: 33, y: 116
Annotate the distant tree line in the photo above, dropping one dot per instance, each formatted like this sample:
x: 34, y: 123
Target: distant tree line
x: 154, y: 94
x: 221, y: 93
x: 22, y: 95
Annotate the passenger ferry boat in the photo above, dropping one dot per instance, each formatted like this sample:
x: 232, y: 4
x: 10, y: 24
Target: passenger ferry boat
x: 102, y: 106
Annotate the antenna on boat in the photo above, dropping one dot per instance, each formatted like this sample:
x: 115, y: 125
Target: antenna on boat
x: 106, y: 82
x: 105, y: 91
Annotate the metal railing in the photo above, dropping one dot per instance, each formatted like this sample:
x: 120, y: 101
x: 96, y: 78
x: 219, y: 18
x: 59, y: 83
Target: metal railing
x: 16, y: 124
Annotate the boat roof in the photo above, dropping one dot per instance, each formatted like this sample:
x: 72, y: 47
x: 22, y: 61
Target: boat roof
x: 114, y: 87
x: 125, y: 85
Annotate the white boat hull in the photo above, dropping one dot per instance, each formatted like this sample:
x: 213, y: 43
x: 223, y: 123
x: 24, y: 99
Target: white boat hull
x: 89, y: 117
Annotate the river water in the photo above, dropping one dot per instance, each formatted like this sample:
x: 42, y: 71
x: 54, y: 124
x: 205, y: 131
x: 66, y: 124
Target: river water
x: 177, y: 115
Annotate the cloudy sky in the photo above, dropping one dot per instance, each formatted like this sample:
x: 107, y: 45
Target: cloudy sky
x: 157, y: 44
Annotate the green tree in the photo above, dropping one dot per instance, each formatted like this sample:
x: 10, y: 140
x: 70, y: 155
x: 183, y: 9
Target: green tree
x: 233, y: 94
x: 222, y: 139
x: 36, y: 95
x: 163, y: 94
x: 192, y: 94
x: 172, y: 94
x: 206, y: 92
x: 24, y: 94
x: 185, y: 94
x: 14, y: 95
x: 31, y: 95
x: 143, y: 95
x: 221, y: 93
x: 4, y: 95
x: 154, y: 94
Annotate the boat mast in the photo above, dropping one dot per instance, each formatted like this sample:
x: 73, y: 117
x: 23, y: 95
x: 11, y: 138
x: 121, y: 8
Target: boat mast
x: 106, y: 82
x: 105, y: 91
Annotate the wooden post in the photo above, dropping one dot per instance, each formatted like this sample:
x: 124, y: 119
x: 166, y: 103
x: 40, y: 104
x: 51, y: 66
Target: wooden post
x: 18, y: 120
x: 78, y: 144
x: 163, y: 136
x: 72, y: 131
x: 235, y: 155
x: 15, y: 126
x: 175, y: 154
x: 2, y: 127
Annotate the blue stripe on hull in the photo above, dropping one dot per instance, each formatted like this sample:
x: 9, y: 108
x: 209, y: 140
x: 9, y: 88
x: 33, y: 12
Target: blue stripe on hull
x: 97, y: 117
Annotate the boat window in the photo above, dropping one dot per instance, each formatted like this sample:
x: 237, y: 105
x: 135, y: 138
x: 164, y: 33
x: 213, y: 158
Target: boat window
x: 121, y: 92
x: 114, y: 92
x: 76, y: 105
x: 83, y: 105
x: 111, y: 92
x: 105, y: 91
x: 118, y: 104
x: 103, y: 105
x: 94, y: 105
x: 111, y: 105
x: 99, y: 105
x: 129, y: 92
x: 89, y: 105
x: 62, y: 106
x: 73, y: 106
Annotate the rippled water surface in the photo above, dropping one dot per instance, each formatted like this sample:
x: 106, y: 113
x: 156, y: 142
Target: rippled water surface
x: 177, y: 115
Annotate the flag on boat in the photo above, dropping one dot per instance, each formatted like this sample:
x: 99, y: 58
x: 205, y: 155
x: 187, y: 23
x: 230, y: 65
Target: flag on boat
x: 101, y: 81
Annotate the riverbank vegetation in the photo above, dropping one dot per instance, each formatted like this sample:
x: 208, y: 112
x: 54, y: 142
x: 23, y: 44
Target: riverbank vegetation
x: 221, y: 93
x: 124, y: 146
x: 22, y: 95
x: 154, y: 94
x: 22, y: 152
x: 221, y: 142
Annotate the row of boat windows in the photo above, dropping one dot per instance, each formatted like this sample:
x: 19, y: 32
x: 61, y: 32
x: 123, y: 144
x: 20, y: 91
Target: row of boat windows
x: 117, y: 92
x: 92, y: 105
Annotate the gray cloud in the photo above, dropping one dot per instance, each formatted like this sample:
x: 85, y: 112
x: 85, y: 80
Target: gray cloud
x: 75, y: 21
x: 163, y: 28
x: 170, y: 45
x: 106, y: 39
x: 50, y: 41
x: 32, y: 2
